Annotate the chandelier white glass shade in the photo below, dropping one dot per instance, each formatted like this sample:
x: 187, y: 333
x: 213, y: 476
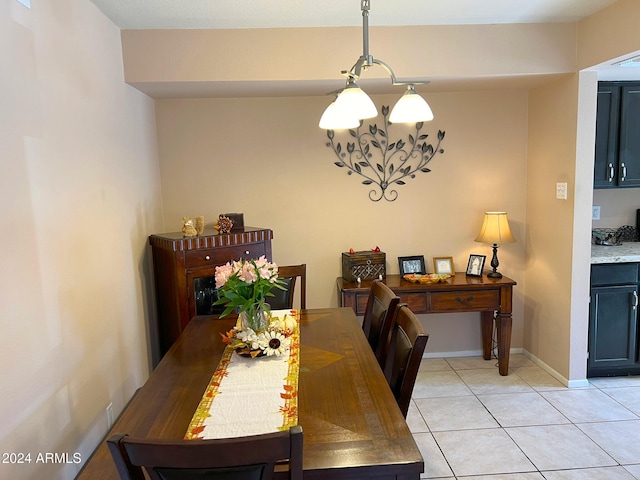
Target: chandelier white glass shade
x: 411, y: 108
x: 353, y: 104
x: 334, y: 119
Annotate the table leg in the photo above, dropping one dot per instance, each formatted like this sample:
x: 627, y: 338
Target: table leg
x: 503, y: 327
x: 487, y: 333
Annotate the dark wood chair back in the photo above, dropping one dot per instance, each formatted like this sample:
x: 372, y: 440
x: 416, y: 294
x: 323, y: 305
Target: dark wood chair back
x: 283, y: 299
x: 378, y: 316
x: 403, y: 354
x: 241, y: 458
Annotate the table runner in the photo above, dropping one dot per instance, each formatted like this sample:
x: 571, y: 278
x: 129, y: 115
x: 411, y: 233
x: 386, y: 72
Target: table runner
x: 250, y: 396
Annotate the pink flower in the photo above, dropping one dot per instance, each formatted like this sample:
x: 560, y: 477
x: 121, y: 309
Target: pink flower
x: 248, y: 273
x: 222, y: 274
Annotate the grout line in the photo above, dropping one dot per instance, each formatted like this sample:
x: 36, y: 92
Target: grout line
x: 505, y: 429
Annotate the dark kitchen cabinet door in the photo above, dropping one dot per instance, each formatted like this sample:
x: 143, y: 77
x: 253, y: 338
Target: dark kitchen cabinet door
x: 607, y: 127
x: 629, y: 146
x: 617, y: 149
x: 613, y: 335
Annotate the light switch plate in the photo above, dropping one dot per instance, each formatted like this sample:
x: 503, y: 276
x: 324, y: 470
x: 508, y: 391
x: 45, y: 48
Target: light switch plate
x: 561, y: 190
x: 595, y: 212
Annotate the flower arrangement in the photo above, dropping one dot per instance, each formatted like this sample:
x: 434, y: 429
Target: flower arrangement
x: 273, y: 340
x: 243, y: 286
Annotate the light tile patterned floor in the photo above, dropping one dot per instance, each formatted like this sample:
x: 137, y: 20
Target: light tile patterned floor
x: 471, y: 423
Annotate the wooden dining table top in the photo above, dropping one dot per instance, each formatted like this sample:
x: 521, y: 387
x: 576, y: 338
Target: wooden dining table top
x: 353, y: 428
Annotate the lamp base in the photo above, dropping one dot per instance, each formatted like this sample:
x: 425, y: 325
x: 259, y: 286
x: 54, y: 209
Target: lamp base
x: 494, y: 263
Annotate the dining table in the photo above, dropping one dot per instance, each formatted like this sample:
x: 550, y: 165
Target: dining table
x: 353, y: 428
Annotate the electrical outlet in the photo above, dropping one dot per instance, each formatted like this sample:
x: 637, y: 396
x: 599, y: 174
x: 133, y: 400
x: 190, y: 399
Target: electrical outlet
x: 595, y: 212
x: 109, y: 415
x: 561, y: 190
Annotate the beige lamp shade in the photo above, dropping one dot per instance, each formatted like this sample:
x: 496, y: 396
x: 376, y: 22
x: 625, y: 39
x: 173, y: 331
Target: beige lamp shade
x: 495, y: 229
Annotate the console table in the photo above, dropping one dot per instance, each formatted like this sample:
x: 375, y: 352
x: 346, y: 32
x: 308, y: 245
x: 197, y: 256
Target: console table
x: 491, y: 297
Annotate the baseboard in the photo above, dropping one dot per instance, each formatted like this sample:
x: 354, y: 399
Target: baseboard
x: 463, y: 353
x: 514, y: 351
x: 562, y: 379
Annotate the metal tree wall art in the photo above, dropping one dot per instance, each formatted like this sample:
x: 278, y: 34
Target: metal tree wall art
x: 394, y: 162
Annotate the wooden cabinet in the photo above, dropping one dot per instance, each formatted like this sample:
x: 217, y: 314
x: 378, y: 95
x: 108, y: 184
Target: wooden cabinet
x: 617, y: 151
x: 184, y: 269
x: 613, y: 320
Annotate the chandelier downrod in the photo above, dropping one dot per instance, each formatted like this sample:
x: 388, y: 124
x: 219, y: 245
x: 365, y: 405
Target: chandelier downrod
x: 367, y: 60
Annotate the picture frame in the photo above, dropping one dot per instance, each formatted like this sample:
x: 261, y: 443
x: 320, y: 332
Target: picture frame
x: 475, y: 265
x: 412, y: 264
x: 444, y: 265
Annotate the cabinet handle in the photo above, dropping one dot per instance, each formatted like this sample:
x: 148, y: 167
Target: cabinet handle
x: 207, y: 257
x: 635, y: 300
x: 465, y: 301
x: 624, y: 172
x: 247, y: 252
x: 611, y: 172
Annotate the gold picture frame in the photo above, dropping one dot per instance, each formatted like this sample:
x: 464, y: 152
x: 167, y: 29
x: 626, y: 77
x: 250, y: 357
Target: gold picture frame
x: 444, y: 265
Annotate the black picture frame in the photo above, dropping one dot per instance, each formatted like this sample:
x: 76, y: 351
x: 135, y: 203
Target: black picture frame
x: 412, y: 264
x: 475, y: 265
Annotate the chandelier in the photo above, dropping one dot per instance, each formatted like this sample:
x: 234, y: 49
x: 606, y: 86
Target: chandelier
x: 352, y: 104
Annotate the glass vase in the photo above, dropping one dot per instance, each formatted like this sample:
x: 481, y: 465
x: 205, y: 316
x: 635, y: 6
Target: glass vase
x: 255, y: 318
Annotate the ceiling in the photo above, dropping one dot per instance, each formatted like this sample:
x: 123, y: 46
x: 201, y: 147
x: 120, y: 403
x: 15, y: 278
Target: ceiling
x: 144, y: 14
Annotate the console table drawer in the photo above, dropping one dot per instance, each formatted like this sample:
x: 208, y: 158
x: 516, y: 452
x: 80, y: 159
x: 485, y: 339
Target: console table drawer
x: 417, y: 302
x: 460, y: 301
x: 220, y: 256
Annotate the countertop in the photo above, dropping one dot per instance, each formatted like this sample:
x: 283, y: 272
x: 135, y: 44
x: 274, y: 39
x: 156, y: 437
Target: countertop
x: 627, y: 252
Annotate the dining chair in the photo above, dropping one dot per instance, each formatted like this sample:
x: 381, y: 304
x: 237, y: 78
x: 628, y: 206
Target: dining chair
x: 240, y: 458
x: 378, y: 316
x: 403, y: 353
x: 283, y: 299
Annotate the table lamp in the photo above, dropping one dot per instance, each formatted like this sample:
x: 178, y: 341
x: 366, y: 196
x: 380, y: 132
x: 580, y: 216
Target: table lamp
x: 495, y: 229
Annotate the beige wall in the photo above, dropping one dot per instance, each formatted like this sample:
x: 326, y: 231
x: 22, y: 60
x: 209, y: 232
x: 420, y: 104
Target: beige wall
x: 250, y: 61
x: 610, y: 33
x: 267, y: 158
x: 551, y: 156
x: 79, y: 193
x: 617, y: 207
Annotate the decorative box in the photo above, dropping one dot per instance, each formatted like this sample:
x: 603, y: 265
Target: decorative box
x: 238, y: 221
x: 365, y: 265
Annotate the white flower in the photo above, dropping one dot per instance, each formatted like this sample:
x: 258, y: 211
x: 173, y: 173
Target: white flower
x: 247, y: 336
x: 274, y: 343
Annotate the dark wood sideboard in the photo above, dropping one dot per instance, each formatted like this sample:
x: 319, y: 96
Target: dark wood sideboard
x: 184, y: 269
x: 460, y: 293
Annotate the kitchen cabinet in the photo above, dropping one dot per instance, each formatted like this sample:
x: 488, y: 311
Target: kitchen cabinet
x: 184, y: 269
x: 613, y: 320
x: 617, y: 150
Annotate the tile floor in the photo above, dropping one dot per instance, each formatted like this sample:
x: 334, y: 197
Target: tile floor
x: 471, y: 423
